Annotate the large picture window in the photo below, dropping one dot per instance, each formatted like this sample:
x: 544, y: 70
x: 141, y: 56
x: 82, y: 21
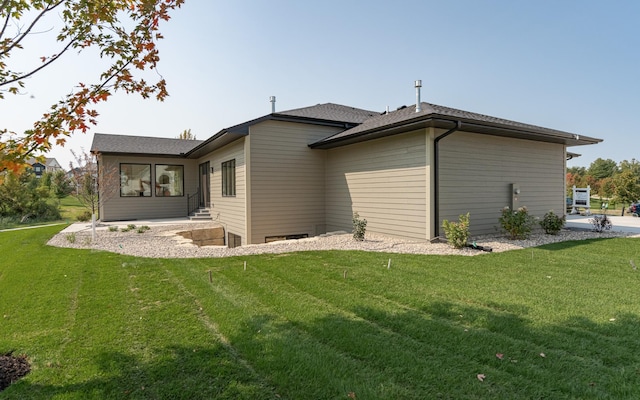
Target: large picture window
x: 135, y: 180
x: 169, y: 180
x: 229, y: 178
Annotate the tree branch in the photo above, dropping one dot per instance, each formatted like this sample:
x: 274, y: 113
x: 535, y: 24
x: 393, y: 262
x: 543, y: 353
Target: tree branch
x: 33, y: 23
x: 50, y: 61
x: 3, y: 6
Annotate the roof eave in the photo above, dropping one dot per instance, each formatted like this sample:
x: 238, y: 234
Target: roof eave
x: 445, y: 122
x: 233, y: 133
x: 133, y: 154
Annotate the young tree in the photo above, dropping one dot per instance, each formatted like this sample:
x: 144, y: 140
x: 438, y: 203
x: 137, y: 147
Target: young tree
x: 122, y: 31
x: 627, y: 188
x: 186, y: 135
x: 60, y: 185
x: 607, y: 188
x: 88, y: 191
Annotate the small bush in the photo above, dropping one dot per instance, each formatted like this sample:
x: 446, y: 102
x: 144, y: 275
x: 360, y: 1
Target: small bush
x: 129, y: 227
x: 601, y: 223
x: 552, y: 223
x: 84, y: 217
x: 71, y: 237
x: 517, y: 224
x: 359, y: 227
x: 143, y: 229
x: 113, y: 229
x: 457, y: 233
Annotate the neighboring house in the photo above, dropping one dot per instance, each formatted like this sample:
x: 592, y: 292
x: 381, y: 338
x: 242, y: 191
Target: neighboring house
x: 40, y: 167
x: 306, y: 171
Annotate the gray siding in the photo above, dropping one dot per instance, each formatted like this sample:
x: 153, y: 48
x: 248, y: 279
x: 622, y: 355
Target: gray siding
x: 113, y: 207
x: 476, y: 172
x: 229, y: 211
x: 287, y: 179
x: 384, y: 180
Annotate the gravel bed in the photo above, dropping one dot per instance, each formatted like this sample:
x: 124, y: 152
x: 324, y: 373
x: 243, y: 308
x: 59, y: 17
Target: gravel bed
x: 163, y: 242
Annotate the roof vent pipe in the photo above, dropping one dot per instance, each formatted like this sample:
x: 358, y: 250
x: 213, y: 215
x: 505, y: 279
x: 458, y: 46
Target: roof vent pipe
x: 418, y: 85
x: 272, y: 99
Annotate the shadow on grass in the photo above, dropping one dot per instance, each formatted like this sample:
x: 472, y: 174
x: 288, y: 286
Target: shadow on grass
x: 439, y: 351
x: 435, y: 352
x: 575, y: 243
x: 177, y: 373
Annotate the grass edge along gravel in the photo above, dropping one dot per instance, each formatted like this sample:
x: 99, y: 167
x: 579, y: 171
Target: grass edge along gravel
x: 558, y: 321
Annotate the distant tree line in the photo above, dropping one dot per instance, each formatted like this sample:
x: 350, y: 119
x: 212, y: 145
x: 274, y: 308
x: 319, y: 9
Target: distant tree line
x: 617, y: 182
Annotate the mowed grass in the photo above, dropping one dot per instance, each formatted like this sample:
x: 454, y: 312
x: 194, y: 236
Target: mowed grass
x: 560, y: 321
x: 71, y: 208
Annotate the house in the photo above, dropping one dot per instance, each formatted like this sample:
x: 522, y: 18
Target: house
x: 304, y: 172
x: 46, y: 165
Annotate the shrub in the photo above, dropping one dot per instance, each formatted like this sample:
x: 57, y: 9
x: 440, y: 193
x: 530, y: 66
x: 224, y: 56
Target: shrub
x: 143, y: 229
x: 517, y: 224
x: 552, y: 223
x: 113, y: 228
x: 71, y: 237
x: 129, y: 227
x: 84, y: 217
x: 359, y: 227
x: 457, y: 233
x: 601, y: 223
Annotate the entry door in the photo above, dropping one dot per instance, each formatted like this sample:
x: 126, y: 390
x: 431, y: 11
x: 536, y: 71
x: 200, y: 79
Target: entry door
x: 205, y: 185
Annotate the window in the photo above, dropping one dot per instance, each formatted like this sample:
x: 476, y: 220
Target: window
x: 169, y: 180
x: 229, y: 178
x: 135, y: 180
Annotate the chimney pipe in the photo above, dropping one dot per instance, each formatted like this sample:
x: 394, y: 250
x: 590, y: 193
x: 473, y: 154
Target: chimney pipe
x: 272, y: 99
x: 418, y: 85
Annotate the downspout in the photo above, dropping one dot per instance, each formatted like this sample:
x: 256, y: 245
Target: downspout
x: 436, y: 179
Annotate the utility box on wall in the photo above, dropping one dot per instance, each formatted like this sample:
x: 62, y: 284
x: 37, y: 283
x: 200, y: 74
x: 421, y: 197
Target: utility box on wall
x: 515, y: 196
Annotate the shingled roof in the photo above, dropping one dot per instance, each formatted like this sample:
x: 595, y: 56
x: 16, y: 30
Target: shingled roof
x: 142, y: 145
x: 433, y: 115
x: 331, y: 112
x: 358, y: 124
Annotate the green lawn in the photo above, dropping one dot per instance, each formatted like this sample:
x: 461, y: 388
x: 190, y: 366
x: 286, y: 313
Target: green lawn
x: 561, y: 321
x: 71, y: 208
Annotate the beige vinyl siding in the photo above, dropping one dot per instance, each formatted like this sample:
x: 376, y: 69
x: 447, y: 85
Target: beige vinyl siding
x: 384, y: 180
x: 113, y: 207
x: 229, y: 211
x: 476, y: 173
x: 287, y: 179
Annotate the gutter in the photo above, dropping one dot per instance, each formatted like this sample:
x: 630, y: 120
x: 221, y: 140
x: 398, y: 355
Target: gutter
x: 436, y: 178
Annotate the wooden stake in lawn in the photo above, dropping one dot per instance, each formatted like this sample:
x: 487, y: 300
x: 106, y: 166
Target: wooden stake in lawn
x: 245, y: 265
x: 210, y: 277
x: 345, y: 274
x: 389, y: 264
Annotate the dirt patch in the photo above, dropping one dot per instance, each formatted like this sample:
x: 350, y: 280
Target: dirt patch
x: 12, y: 368
x: 205, y: 237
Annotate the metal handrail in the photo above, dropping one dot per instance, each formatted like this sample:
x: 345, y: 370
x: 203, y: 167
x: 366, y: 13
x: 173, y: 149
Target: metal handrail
x: 193, y: 202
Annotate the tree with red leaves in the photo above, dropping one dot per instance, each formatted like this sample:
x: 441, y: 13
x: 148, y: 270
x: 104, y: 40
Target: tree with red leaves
x: 124, y: 32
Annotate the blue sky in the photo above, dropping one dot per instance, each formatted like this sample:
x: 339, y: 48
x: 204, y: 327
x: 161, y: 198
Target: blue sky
x: 567, y: 65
